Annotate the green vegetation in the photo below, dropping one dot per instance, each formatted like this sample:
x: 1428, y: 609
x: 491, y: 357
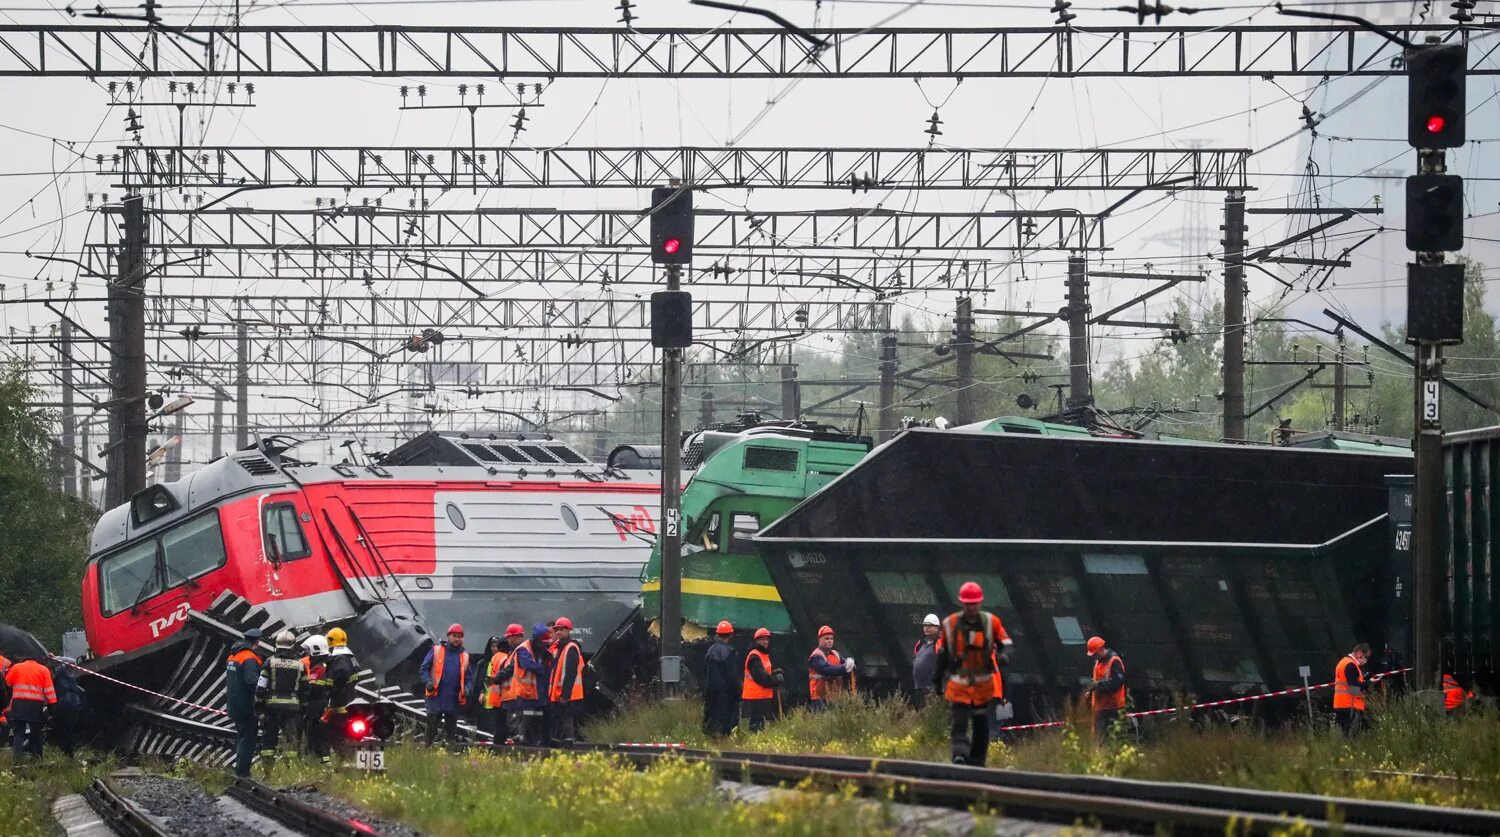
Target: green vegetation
x: 44, y: 537
x: 1411, y: 738
x: 28, y: 790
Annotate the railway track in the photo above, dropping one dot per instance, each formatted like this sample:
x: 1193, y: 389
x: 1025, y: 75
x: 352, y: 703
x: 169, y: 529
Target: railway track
x: 1116, y: 804
x: 129, y: 819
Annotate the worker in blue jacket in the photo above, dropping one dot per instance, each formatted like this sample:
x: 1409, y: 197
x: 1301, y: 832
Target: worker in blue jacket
x: 447, y: 676
x: 528, y: 690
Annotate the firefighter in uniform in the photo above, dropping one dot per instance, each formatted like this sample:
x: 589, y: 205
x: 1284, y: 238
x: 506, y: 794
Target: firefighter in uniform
x: 241, y: 674
x: 758, y: 692
x: 565, y: 691
x: 445, y: 677
x: 341, y: 677
x: 1349, y: 690
x: 971, y: 647
x: 315, y: 696
x: 1107, y: 687
x: 826, y: 672
x: 283, y: 680
x: 1454, y: 695
x: 497, y: 682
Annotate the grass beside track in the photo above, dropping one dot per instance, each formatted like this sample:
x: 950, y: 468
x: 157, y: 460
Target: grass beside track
x: 27, y: 790
x: 1410, y: 737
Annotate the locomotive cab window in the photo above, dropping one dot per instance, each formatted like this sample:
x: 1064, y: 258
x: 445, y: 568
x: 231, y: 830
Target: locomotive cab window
x: 192, y: 549
x: 128, y: 577
x: 279, y: 521
x: 742, y: 526
x: 171, y: 559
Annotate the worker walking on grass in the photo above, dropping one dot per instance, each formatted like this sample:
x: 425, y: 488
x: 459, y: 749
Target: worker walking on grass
x: 924, y: 659
x: 241, y: 675
x: 565, y: 691
x: 761, y: 680
x: 1454, y: 695
x: 1349, y: 690
x: 1107, y: 687
x: 282, y: 681
x: 526, y: 698
x: 721, y: 681
x: 31, y: 695
x: 497, y: 683
x: 315, y: 696
x: 971, y: 646
x: 445, y: 678
x: 826, y: 672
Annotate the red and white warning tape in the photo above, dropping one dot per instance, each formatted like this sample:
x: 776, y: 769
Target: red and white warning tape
x: 137, y: 688
x: 1148, y: 712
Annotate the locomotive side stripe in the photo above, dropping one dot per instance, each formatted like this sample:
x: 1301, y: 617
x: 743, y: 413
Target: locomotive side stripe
x: 725, y: 589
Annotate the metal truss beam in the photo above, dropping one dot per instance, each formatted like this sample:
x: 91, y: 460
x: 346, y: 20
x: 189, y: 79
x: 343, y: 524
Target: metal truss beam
x: 250, y: 52
x: 360, y: 228
x: 1012, y: 170
x: 263, y: 264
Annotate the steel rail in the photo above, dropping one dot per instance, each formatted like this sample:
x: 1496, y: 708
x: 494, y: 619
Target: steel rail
x: 119, y: 813
x: 291, y: 811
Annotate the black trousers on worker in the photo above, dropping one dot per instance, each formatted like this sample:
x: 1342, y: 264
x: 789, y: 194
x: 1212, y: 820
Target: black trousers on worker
x: 527, y: 726
x: 314, y: 731
x: 757, y: 712
x: 449, y: 721
x: 1351, y: 721
x: 718, y: 713
x: 245, y: 730
x: 970, y: 733
x: 26, y: 738
x: 494, y: 722
x: 273, y: 722
x: 564, y: 717
x: 65, y: 730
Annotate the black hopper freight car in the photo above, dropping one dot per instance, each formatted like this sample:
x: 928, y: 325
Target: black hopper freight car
x: 1218, y: 570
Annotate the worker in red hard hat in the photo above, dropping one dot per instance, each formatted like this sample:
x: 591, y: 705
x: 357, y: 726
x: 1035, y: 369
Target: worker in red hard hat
x: 1107, y: 687
x: 565, y: 689
x: 721, y: 683
x: 826, y: 672
x: 971, y: 649
x: 758, y: 690
x: 446, y: 678
x: 497, y: 677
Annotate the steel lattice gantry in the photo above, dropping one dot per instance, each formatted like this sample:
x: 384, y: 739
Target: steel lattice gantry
x: 373, y: 229
x: 1012, y: 170
x: 721, y: 52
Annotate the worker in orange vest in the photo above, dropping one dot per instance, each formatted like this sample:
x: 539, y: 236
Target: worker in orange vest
x: 526, y: 700
x: 1349, y: 689
x: 1454, y: 695
x: 445, y: 678
x: 826, y: 672
x: 758, y: 691
x: 1107, y: 687
x: 971, y: 649
x: 31, y: 695
x: 497, y: 683
x: 565, y: 692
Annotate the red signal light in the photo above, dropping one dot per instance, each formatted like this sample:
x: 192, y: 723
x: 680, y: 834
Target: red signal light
x: 358, y: 727
x: 1436, y: 124
x: 671, y: 246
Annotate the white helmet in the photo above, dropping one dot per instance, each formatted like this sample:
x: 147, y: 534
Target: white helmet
x: 316, y: 645
x: 286, y: 639
x: 932, y: 619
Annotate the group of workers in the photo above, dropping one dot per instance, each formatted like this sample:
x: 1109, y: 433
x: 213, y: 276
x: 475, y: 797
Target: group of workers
x: 301, y: 691
x: 30, y: 695
x: 530, y: 689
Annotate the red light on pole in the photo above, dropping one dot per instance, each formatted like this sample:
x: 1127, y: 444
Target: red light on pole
x: 671, y: 246
x: 1436, y: 124
x: 358, y: 727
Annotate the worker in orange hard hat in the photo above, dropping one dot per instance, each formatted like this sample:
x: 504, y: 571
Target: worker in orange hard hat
x: 826, y: 671
x: 758, y: 689
x: 1454, y: 694
x: 1107, y: 687
x: 721, y: 683
x: 971, y: 648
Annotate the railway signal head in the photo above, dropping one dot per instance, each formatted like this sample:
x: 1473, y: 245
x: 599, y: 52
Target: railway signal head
x: 1434, y: 213
x: 671, y: 225
x: 1436, y: 76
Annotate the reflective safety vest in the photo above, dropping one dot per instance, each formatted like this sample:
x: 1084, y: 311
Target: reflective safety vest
x: 1114, y: 698
x: 439, y: 654
x: 818, y: 686
x: 975, y: 651
x: 554, y: 689
x: 494, y: 693
x: 1453, y: 694
x: 752, y: 690
x: 1348, y: 695
x: 30, y: 680
x: 522, y: 682
x: 281, y: 679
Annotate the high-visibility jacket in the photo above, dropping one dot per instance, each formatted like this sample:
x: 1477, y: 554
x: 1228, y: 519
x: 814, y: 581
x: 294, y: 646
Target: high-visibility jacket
x: 30, y: 680
x: 1107, y: 699
x: 282, y: 680
x: 439, y: 655
x: 569, y: 662
x: 969, y: 656
x: 523, y: 684
x: 1347, y: 694
x: 752, y: 689
x: 1454, y: 695
x: 494, y: 694
x: 820, y: 686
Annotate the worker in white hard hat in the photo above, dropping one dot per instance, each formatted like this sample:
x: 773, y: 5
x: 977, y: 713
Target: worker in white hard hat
x: 278, y: 695
x: 924, y: 659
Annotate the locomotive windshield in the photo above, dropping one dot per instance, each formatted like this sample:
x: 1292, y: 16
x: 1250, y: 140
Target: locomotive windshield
x: 169, y: 559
